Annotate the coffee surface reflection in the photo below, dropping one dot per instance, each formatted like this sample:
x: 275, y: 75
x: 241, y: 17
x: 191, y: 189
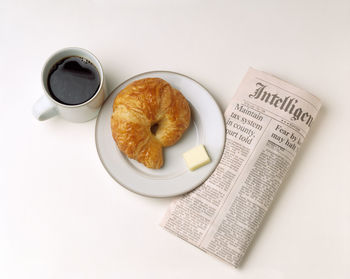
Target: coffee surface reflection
x: 73, y: 80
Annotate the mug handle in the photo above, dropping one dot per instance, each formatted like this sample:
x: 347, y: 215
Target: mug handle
x: 44, y: 109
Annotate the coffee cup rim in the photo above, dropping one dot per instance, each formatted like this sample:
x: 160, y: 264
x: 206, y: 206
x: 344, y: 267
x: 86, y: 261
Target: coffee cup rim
x: 51, y: 61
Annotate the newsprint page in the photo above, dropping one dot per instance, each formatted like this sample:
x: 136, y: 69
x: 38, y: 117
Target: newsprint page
x: 266, y: 123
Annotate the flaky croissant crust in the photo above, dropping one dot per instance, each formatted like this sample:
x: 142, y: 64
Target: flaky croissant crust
x: 139, y: 106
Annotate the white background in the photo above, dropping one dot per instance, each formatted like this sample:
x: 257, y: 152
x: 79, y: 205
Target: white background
x: 63, y: 216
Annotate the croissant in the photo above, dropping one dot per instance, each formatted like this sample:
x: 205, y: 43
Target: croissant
x: 149, y: 114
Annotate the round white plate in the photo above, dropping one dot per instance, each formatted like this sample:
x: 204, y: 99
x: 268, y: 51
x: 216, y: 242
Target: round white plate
x: 207, y: 127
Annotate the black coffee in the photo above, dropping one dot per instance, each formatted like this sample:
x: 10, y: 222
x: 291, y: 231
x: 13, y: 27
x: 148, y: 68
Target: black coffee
x: 73, y: 80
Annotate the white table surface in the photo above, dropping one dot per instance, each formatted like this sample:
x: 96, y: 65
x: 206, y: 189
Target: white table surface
x: 63, y: 216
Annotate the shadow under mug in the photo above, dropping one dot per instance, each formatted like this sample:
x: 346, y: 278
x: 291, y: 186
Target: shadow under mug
x: 47, y: 107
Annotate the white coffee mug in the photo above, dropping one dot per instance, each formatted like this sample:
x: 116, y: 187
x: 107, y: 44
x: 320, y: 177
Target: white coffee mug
x: 47, y: 107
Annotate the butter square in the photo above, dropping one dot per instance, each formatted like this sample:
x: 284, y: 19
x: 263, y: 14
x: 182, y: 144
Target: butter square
x: 196, y: 157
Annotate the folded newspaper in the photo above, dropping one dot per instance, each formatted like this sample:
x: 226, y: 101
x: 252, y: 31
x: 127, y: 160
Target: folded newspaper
x: 266, y: 123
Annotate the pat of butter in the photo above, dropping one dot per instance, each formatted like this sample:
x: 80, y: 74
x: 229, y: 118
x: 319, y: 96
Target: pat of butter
x: 196, y: 157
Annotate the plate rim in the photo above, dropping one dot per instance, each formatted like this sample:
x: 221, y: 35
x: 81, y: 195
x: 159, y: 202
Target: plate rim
x: 149, y: 195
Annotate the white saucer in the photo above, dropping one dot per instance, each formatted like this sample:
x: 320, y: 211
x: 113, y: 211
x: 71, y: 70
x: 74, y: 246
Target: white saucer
x: 207, y: 127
